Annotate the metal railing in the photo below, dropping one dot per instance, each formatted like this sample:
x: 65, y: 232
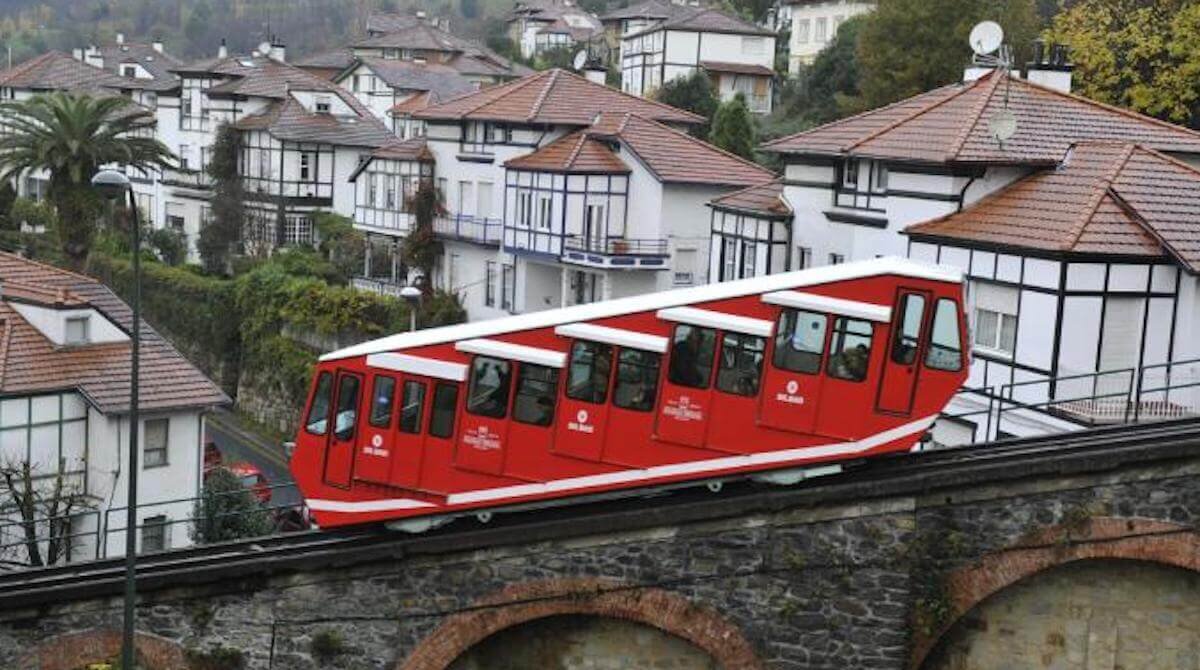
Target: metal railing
x: 69, y: 541
x: 469, y: 228
x: 612, y: 246
x: 196, y: 179
x: 379, y: 286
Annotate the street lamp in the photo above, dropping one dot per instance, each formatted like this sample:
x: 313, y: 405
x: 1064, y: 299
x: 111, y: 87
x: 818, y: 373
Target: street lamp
x: 114, y: 185
x: 412, y: 296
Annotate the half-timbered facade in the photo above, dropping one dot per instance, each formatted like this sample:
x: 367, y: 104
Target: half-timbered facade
x: 751, y: 234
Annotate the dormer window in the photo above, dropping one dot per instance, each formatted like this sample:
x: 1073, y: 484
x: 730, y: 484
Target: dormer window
x: 77, y: 330
x: 322, y: 105
x: 129, y: 71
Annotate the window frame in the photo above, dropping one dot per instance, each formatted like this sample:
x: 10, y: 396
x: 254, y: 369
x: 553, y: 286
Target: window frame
x: 404, y: 402
x: 163, y: 449
x: 157, y: 523
x: 740, y: 349
x: 933, y: 329
x: 836, y: 342
x: 434, y: 411
x: 353, y: 426
x: 675, y: 340
x: 591, y: 371
x: 821, y: 352
x: 391, y: 401
x: 995, y: 347
x: 506, y: 387
x: 86, y: 337
x: 312, y: 404
x: 900, y: 333
x: 617, y: 382
x: 550, y: 392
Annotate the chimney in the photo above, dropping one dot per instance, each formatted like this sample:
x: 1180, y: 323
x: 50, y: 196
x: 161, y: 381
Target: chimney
x: 120, y: 38
x: 77, y: 54
x: 157, y: 46
x: 1050, y: 66
x: 421, y: 14
x: 278, y: 51
x: 92, y: 56
x: 595, y: 74
x: 222, y: 51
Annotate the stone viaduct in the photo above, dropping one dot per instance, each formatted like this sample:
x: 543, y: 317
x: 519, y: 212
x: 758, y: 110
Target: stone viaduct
x: 1084, y: 557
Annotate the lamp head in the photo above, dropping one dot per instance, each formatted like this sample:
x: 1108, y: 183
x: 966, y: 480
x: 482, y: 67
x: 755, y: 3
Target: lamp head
x: 411, y: 294
x: 111, y: 184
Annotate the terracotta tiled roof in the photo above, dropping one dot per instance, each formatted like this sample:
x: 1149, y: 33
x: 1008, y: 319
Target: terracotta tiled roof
x: 30, y: 363
x: 708, y: 21
x: 763, y: 199
x: 55, y: 70
x: 577, y: 153
x: 388, y: 22
x: 1106, y: 198
x: 648, y: 9
x: 737, y: 68
x: 950, y: 125
x: 338, y: 58
x: 415, y: 149
x: 289, y: 120
x: 552, y: 96
x: 675, y: 156
x: 408, y: 75
x: 158, y: 63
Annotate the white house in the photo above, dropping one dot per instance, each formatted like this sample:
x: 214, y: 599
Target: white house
x: 814, y: 25
x: 64, y: 355
x: 522, y: 227
x: 638, y: 16
x: 392, y: 89
x: 737, y: 55
x: 538, y: 25
x: 420, y: 42
x: 751, y: 234
x: 856, y: 185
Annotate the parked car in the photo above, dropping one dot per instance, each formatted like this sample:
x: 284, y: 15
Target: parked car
x: 249, y: 474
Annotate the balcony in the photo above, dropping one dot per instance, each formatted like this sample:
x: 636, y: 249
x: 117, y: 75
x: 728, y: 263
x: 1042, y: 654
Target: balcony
x: 468, y: 228
x: 616, y: 252
x: 377, y: 286
x: 194, y: 179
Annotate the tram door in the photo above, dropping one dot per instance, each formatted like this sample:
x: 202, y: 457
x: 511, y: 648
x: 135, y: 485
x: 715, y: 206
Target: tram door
x: 685, y: 407
x: 792, y: 384
x: 901, y: 367
x: 373, y: 453
x: 584, y: 409
x: 484, y: 422
x: 339, y: 453
x: 409, y: 436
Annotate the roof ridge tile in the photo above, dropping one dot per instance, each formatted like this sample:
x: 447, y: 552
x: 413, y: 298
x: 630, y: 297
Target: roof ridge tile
x: 964, y: 133
x: 1102, y: 187
x: 541, y: 99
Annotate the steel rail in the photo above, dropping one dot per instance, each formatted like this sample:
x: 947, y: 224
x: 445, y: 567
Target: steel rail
x: 903, y: 474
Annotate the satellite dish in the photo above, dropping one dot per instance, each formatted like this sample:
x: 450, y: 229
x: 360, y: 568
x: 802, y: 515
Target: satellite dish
x: 1003, y: 125
x: 986, y: 37
x: 580, y: 60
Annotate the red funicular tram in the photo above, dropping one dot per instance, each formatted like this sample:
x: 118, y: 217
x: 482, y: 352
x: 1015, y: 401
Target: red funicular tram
x: 765, y: 376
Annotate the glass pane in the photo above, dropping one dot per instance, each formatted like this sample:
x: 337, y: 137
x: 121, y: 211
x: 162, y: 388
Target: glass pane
x: 799, y: 341
x: 945, y: 348
x: 850, y: 349
x: 411, y: 409
x: 490, y: 385
x: 907, y: 337
x: 381, y: 401
x: 445, y: 400
x: 1008, y: 333
x: 985, y: 328
x: 587, y: 377
x: 318, y: 409
x: 637, y: 380
x: 692, y: 356
x: 536, y: 387
x: 347, y: 408
x: 741, y: 364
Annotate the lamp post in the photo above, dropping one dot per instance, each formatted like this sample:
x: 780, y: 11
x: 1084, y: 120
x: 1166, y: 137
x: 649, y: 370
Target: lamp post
x: 412, y: 296
x: 113, y: 185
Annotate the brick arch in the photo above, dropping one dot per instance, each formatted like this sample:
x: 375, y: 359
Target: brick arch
x: 1095, y: 538
x: 529, y: 601
x: 74, y: 650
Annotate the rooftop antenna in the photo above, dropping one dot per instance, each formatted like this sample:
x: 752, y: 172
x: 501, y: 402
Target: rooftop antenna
x: 987, y: 41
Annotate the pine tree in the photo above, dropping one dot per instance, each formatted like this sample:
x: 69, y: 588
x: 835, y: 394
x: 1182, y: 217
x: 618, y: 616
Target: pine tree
x: 220, y: 236
x: 732, y: 129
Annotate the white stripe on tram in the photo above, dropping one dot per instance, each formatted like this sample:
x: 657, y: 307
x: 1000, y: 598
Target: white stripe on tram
x: 644, y: 474
x: 821, y: 303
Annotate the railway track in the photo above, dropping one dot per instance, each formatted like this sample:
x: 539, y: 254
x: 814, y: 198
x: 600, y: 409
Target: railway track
x: 1085, y: 451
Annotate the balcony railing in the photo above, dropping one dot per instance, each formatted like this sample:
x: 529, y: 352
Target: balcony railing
x: 469, y: 228
x: 188, y: 178
x: 380, y: 286
x: 611, y: 246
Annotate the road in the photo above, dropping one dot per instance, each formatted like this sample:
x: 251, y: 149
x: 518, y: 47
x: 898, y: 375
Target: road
x: 240, y: 445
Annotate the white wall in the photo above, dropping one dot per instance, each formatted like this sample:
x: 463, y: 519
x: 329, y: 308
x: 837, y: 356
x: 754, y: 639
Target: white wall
x: 804, y: 45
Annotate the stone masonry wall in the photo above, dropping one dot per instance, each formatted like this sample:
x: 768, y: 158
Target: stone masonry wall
x: 845, y: 586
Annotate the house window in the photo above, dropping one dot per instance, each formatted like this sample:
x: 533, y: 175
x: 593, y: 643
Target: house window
x: 879, y: 176
x: 545, y: 206
x: 489, y: 284
x: 322, y: 105
x: 802, y: 31
x: 836, y: 259
x: 354, y: 83
x: 154, y: 442
x: 729, y: 258
x: 850, y: 174
x: 390, y: 193
x: 154, y: 533
x: 307, y: 161
x: 524, y: 208
x: 77, y: 330
x: 820, y: 33
x: 996, y: 331
x: 803, y: 258
x: 508, y: 287
x: 264, y: 163
x: 749, y: 259
x: 183, y: 157
x: 483, y: 199
x: 129, y: 71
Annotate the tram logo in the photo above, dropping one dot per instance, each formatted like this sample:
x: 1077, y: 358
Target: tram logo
x: 791, y: 393
x: 376, y: 447
x: 580, y: 424
x: 482, y: 439
x: 683, y: 409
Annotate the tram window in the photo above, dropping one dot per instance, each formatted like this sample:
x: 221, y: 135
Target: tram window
x: 906, y: 339
x: 536, y: 386
x: 945, y: 347
x: 692, y: 356
x: 741, y: 364
x: 850, y: 349
x: 347, y: 408
x: 490, y: 379
x: 799, y: 341
x: 318, y: 409
x: 637, y: 379
x: 411, y: 407
x: 381, y: 401
x: 587, y: 378
x: 445, y: 400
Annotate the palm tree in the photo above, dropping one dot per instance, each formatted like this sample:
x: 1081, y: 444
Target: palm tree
x: 71, y: 136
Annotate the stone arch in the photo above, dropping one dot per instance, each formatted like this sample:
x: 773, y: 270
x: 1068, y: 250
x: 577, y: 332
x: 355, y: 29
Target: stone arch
x: 73, y: 650
x: 526, y: 602
x: 1094, y: 538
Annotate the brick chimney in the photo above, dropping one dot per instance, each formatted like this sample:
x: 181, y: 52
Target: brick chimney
x: 1050, y: 66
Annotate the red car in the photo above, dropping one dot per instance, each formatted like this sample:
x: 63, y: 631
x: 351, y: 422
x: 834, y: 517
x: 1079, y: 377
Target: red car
x: 249, y: 474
